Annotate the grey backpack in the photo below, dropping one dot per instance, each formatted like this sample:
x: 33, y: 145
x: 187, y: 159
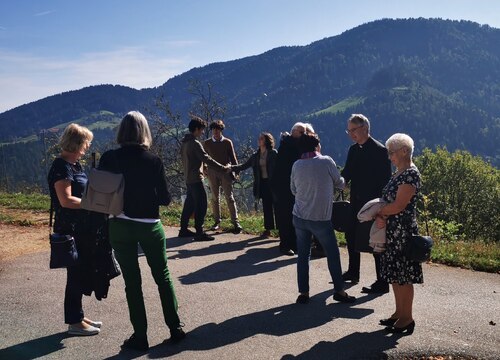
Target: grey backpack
x: 104, y: 192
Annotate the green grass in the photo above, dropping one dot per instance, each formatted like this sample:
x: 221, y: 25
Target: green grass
x: 21, y: 201
x: 341, y: 106
x: 476, y: 255
x: 92, y: 122
x: 10, y: 220
x: 251, y: 222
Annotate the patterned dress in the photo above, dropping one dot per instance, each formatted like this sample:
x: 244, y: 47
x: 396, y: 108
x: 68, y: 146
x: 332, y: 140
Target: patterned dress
x: 394, y: 266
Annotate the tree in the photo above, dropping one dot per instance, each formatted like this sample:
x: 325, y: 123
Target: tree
x: 169, y: 127
x: 208, y: 105
x: 463, y: 189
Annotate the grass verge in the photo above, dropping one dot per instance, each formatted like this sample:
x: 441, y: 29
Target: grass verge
x: 476, y: 255
x: 20, y: 201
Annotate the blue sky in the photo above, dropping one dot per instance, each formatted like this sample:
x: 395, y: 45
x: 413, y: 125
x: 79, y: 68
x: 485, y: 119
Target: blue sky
x: 51, y: 46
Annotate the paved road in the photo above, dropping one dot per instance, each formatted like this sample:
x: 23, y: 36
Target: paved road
x: 237, y: 299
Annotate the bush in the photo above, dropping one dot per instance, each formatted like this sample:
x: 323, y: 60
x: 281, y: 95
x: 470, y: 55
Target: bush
x: 462, y: 191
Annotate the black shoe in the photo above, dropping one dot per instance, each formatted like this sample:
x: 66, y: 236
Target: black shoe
x: 406, y: 330
x: 203, y: 237
x: 177, y: 334
x: 266, y: 234
x: 186, y: 233
x: 317, y: 252
x: 387, y: 322
x: 347, y: 276
x: 378, y: 287
x: 136, y: 343
x: 237, y: 228
x: 302, y: 299
x: 287, y: 252
x: 344, y: 298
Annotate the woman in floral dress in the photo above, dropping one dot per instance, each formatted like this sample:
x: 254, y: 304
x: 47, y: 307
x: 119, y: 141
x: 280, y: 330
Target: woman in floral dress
x: 400, y: 219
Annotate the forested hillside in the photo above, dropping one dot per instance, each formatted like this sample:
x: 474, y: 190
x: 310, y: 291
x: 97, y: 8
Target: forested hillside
x: 437, y: 80
x: 70, y: 106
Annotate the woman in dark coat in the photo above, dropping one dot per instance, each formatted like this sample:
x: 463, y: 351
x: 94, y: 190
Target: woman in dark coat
x: 145, y: 190
x: 262, y: 163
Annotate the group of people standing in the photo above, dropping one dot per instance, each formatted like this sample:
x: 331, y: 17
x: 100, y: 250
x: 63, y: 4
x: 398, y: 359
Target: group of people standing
x: 296, y: 184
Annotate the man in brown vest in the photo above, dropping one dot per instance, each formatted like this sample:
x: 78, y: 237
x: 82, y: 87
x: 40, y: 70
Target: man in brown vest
x: 221, y: 150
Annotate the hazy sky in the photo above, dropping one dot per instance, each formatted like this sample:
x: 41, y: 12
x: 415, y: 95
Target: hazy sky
x: 51, y: 46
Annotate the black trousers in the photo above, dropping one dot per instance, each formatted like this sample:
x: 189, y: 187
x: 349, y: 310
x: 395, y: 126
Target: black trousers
x: 268, y: 206
x: 355, y: 256
x: 196, y: 201
x: 284, y: 216
x: 73, y: 311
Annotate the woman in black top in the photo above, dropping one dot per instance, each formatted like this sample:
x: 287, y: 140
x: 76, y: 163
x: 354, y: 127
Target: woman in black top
x: 145, y: 190
x: 66, y: 184
x: 262, y: 163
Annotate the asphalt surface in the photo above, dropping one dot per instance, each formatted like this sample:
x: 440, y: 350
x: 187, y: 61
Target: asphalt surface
x: 237, y: 300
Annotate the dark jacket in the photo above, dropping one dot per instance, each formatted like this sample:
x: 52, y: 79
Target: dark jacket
x: 368, y: 169
x: 193, y: 156
x: 145, y: 182
x: 288, y: 153
x: 253, y: 162
x: 99, y: 264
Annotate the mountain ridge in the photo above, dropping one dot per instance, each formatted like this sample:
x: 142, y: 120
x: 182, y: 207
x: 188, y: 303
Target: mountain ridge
x: 438, y: 80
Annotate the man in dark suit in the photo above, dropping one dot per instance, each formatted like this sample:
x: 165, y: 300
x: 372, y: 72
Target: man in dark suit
x: 368, y: 170
x: 288, y: 153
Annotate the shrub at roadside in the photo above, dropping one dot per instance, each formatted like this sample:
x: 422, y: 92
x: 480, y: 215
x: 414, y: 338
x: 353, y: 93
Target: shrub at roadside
x: 462, y: 190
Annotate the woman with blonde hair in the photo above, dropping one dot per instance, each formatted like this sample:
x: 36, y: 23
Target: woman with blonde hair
x: 67, y: 181
x: 145, y: 190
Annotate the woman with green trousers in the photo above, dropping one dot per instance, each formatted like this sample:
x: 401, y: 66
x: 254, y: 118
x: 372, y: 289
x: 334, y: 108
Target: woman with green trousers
x: 145, y: 190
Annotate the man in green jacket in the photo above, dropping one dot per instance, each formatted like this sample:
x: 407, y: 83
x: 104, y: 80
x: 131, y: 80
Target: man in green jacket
x: 193, y: 156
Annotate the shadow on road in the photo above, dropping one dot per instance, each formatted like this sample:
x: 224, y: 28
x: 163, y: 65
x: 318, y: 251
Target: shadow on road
x: 254, y: 261
x: 353, y: 346
x: 35, y: 348
x: 215, y: 247
x: 278, y: 321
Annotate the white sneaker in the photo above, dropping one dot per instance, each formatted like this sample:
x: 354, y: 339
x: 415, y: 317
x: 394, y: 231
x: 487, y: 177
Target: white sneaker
x: 96, y: 324
x: 88, y: 331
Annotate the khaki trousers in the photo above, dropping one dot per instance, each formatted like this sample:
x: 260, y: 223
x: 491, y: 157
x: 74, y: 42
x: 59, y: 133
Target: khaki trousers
x: 217, y: 180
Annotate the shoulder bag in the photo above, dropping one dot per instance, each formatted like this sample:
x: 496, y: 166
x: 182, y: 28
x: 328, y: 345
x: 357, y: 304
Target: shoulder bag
x: 63, y: 251
x: 342, y: 217
x: 418, y: 248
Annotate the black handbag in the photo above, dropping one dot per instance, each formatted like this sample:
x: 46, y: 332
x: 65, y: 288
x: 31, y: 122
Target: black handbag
x: 63, y: 251
x: 418, y: 248
x: 342, y: 218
